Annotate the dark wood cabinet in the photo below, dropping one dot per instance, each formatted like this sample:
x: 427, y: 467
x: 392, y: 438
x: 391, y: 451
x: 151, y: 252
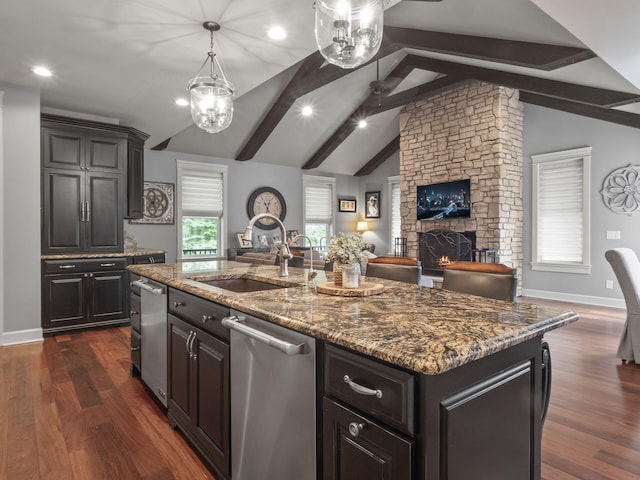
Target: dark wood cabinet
x: 86, y: 187
x: 356, y: 447
x: 77, y: 293
x: 199, y: 377
x: 135, y: 181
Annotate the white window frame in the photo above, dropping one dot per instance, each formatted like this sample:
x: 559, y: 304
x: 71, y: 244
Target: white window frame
x: 198, y: 168
x: 308, y: 180
x: 559, y: 158
x: 392, y: 182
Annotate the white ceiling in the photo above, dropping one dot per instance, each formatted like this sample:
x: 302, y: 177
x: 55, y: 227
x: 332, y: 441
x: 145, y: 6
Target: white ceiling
x: 130, y: 59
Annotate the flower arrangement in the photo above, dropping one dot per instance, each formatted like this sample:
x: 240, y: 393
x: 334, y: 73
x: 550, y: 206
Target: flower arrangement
x: 345, y: 249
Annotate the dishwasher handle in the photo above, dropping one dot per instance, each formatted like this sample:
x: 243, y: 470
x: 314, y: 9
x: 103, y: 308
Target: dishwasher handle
x: 236, y: 323
x: 145, y: 286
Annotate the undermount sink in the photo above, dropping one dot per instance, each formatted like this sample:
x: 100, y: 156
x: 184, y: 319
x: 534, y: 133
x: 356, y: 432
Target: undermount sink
x: 240, y: 285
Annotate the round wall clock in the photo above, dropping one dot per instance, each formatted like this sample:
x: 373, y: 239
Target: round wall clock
x: 266, y: 200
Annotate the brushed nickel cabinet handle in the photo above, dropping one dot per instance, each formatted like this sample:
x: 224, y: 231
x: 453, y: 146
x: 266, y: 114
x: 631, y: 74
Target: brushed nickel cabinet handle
x: 66, y: 266
x: 361, y: 389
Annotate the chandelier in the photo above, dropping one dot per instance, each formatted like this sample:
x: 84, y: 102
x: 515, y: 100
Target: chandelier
x: 211, y: 95
x: 348, y: 32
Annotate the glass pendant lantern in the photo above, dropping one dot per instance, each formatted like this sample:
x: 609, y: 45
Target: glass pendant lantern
x: 211, y: 96
x: 348, y: 32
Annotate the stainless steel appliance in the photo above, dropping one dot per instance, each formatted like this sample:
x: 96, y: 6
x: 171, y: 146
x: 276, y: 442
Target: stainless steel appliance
x: 153, y: 330
x: 273, y: 404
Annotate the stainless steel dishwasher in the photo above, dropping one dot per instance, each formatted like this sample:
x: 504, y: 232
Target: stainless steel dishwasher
x: 153, y: 333
x: 273, y: 402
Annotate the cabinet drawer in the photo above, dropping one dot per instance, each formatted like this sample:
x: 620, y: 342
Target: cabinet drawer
x: 134, y: 312
x: 135, y: 349
x: 355, y: 380
x: 84, y: 265
x: 199, y: 312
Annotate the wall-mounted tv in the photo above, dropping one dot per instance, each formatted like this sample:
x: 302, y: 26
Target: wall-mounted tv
x: 441, y: 201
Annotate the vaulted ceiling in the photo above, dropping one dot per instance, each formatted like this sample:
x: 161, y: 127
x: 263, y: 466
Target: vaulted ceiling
x: 130, y: 59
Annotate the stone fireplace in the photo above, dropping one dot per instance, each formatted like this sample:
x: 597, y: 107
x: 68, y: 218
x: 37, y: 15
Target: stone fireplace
x: 473, y: 130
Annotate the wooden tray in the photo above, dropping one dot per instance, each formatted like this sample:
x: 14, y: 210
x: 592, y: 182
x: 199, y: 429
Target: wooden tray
x: 364, y: 290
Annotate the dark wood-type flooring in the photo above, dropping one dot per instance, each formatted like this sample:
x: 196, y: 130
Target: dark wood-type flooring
x: 69, y: 410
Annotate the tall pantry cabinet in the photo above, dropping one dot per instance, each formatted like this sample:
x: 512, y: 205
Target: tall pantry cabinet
x: 92, y: 179
x: 85, y: 194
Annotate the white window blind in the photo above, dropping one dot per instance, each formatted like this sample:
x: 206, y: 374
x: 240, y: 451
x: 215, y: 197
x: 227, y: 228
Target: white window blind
x: 202, y: 196
x: 396, y: 221
x: 318, y: 203
x: 561, y: 211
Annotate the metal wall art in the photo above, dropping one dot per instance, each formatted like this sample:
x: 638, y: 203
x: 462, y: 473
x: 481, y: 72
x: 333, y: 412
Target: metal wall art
x: 621, y: 190
x: 158, y: 204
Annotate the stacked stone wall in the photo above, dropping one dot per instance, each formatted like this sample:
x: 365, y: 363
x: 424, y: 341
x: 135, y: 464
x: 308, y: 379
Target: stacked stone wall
x: 471, y: 131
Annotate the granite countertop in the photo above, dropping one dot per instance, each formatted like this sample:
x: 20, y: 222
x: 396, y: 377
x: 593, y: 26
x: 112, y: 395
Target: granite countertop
x: 126, y: 253
x: 426, y: 330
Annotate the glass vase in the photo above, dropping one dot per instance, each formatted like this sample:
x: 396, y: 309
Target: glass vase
x: 351, y: 275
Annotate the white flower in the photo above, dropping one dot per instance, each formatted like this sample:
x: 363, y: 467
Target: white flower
x: 345, y: 249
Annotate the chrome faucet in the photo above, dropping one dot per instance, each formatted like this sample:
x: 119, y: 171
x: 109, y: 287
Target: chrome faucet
x: 312, y: 274
x: 283, y: 253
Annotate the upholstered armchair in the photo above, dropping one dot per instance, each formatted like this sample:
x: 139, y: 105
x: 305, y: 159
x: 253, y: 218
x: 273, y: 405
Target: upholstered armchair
x: 626, y: 267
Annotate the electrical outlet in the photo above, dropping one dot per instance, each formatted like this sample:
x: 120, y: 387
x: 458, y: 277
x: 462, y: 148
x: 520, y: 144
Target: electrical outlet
x: 609, y: 283
x: 613, y: 234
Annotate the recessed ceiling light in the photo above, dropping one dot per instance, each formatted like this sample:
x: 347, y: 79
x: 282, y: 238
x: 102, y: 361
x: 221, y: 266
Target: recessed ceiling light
x: 182, y: 102
x: 362, y: 123
x: 307, y: 110
x: 277, y: 33
x: 42, y: 71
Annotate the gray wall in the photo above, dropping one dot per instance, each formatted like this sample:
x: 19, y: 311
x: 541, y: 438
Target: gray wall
x: 613, y: 146
x: 243, y: 178
x: 20, y: 204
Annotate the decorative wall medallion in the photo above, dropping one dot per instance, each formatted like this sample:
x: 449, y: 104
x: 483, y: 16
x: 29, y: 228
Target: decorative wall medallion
x: 158, y: 204
x: 621, y: 190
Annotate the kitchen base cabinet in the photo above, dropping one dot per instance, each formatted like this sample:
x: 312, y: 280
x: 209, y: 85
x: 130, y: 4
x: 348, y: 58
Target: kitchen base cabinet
x: 198, y: 383
x: 355, y: 447
x: 79, y: 293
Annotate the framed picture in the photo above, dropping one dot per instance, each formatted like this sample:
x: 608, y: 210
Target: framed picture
x: 372, y: 204
x: 292, y: 239
x: 347, y: 205
x: 158, y: 204
x: 262, y: 241
x: 242, y: 243
x: 275, y: 240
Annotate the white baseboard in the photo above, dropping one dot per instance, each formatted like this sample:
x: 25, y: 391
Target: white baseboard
x: 21, y: 336
x: 575, y: 298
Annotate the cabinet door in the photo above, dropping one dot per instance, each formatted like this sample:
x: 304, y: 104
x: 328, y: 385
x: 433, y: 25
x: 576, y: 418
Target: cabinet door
x: 104, y: 194
x: 212, y: 415
x: 135, y: 181
x: 108, y: 293
x: 355, y: 447
x: 62, y: 149
x: 179, y: 381
x: 64, y: 300
x: 63, y: 210
x: 105, y: 154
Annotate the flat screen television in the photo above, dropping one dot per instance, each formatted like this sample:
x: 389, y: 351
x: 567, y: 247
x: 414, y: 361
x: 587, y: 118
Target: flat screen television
x: 442, y: 201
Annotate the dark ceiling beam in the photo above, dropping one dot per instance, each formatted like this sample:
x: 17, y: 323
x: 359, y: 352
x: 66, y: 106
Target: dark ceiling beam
x: 365, y: 109
x: 288, y: 96
x: 162, y: 145
x: 592, y: 111
x: 525, y: 54
x: 553, y: 88
x: 392, y: 147
x: 309, y: 76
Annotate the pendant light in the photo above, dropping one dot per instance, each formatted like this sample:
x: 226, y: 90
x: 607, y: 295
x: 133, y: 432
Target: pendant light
x: 211, y: 95
x: 348, y: 32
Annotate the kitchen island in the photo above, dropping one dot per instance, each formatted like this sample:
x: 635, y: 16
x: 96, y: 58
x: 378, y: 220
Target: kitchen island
x: 469, y: 371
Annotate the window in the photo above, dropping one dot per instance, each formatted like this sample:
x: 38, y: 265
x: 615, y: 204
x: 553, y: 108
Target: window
x: 561, y: 211
x: 318, y: 198
x: 200, y: 209
x: 395, y: 221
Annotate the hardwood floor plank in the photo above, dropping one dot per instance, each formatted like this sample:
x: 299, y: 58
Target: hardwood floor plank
x: 114, y: 456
